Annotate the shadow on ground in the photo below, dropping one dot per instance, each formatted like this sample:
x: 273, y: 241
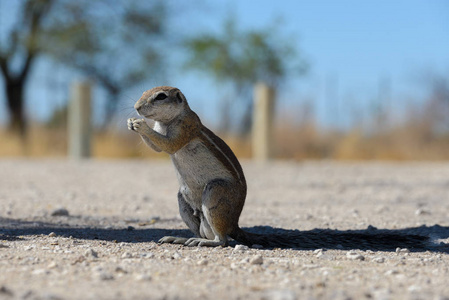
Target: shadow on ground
x: 417, y: 239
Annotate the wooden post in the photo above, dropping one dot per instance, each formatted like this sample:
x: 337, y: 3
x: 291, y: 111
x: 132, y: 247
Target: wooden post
x: 79, y: 118
x: 262, y: 139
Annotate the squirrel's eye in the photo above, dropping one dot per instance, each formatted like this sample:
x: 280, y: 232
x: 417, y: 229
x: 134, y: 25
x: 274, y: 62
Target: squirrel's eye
x: 161, y: 96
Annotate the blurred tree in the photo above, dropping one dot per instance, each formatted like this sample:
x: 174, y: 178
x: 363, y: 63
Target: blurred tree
x: 242, y: 58
x: 113, y: 42
x: 18, y: 54
x: 117, y: 50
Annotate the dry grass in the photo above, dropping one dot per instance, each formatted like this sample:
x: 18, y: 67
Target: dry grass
x: 299, y: 142
x: 402, y: 143
x: 45, y: 142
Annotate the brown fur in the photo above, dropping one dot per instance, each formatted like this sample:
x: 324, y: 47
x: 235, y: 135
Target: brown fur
x: 213, y: 186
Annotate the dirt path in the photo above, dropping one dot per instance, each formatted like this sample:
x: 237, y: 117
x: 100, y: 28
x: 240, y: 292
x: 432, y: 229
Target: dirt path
x: 88, y: 230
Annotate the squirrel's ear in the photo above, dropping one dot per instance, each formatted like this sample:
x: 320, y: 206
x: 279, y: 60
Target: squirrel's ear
x: 179, y: 97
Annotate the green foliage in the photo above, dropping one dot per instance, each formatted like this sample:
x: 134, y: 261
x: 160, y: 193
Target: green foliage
x: 114, y: 42
x: 245, y: 57
x: 241, y: 59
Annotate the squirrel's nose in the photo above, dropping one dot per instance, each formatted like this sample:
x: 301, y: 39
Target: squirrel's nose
x: 137, y: 106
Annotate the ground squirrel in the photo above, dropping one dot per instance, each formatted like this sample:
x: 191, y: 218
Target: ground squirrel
x: 213, y: 187
x: 212, y: 184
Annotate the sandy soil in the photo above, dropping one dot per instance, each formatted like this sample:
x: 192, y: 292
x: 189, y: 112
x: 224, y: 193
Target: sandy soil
x: 88, y: 230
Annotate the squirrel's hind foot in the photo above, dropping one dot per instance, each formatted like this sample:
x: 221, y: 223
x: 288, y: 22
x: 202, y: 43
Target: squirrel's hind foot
x: 192, y: 242
x: 173, y: 240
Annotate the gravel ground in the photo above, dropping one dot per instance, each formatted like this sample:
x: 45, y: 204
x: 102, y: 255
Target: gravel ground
x: 88, y: 230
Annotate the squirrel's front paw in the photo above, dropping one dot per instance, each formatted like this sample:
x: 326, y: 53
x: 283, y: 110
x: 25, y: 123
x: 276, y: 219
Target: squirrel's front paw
x: 135, y: 124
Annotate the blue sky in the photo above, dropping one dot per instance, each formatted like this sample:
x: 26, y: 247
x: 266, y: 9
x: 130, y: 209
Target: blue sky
x: 352, y: 47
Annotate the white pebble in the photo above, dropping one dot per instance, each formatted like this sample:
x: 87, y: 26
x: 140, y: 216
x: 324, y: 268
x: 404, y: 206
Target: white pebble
x: 379, y: 259
x: 40, y: 272
x: 147, y: 255
x: 422, y: 212
x: 91, y: 253
x: 256, y: 260
x: 244, y: 261
x: 391, y: 272
x: 280, y: 295
x: 414, y: 288
x: 127, y: 255
x: 241, y: 248
x: 143, y: 277
x: 202, y: 262
x: 353, y: 255
x: 52, y: 234
x: 403, y: 250
x: 105, y: 276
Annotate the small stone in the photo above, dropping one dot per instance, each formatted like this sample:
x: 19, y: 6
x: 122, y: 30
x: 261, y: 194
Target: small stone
x: 244, y: 261
x: 5, y: 291
x: 353, y: 255
x: 40, y: 272
x: 176, y: 255
x: 147, y: 255
x: 280, y: 295
x: 130, y: 228
x: 52, y: 234
x: 30, y: 247
x: 414, y: 288
x: 402, y: 251
x: 241, y: 248
x: 317, y: 251
x: 127, y: 255
x: 256, y: 260
x: 257, y: 246
x: 371, y: 228
x: 91, y: 253
x: 52, y: 265
x: 391, y: 272
x: 379, y: 259
x: 4, y: 246
x: 143, y: 277
x: 202, y: 262
x: 60, y: 212
x: 105, y: 276
x: 120, y: 270
x: 422, y: 212
x: 80, y: 259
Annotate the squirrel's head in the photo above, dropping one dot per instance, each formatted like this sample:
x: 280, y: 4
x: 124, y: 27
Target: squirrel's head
x: 162, y: 103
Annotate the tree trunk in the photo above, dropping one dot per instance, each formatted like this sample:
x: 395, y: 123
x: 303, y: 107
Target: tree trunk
x: 14, y: 94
